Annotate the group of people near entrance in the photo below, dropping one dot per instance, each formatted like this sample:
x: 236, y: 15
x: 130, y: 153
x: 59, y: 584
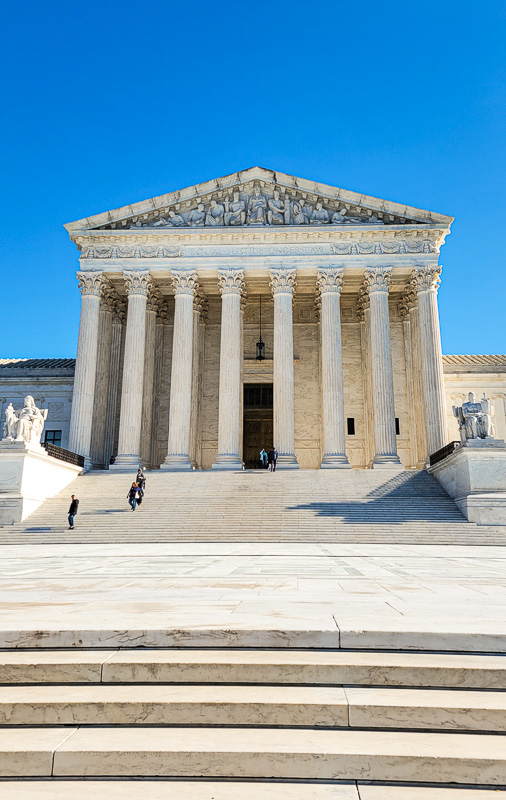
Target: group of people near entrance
x: 268, y: 459
x: 135, y: 496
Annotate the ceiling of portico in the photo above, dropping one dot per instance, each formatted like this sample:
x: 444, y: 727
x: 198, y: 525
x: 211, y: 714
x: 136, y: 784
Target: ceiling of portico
x: 256, y: 199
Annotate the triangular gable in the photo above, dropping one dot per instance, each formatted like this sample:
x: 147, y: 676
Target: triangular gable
x: 258, y: 197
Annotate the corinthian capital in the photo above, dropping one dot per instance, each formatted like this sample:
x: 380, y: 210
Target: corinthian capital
x: 377, y: 279
x: 90, y: 283
x: 408, y: 301
x: 155, y: 299
x: 425, y: 279
x: 138, y: 282
x: 184, y: 281
x: 231, y: 281
x: 329, y: 279
x: 283, y: 280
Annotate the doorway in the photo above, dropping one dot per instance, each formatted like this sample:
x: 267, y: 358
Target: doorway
x: 258, y: 422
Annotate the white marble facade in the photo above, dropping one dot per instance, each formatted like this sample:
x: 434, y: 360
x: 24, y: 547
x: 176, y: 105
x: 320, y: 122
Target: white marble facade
x: 171, y: 292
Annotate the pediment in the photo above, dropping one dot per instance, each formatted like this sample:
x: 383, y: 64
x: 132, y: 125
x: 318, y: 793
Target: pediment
x: 258, y: 197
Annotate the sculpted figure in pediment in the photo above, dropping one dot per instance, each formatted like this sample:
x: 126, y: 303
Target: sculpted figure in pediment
x: 257, y: 206
x: 300, y: 212
x: 197, y: 217
x: 215, y: 215
x: 320, y: 215
x: 338, y: 217
x: 276, y: 210
x: 175, y: 220
x: 235, y: 210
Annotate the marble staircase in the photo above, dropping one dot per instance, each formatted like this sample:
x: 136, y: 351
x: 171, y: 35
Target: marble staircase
x: 378, y: 506
x: 298, y: 724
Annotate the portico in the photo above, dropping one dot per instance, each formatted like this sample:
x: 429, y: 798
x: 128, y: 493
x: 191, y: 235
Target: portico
x: 349, y: 319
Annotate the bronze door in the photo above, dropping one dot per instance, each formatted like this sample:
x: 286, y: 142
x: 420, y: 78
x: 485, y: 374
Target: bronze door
x: 258, y: 424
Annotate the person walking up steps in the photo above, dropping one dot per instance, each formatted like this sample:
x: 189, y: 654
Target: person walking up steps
x: 74, y: 504
x: 263, y: 458
x: 141, y: 482
x: 133, y: 494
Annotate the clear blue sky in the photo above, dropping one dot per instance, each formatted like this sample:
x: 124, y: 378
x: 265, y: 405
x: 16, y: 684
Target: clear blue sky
x: 106, y: 103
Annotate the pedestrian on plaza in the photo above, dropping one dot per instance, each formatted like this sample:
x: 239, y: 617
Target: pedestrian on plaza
x: 133, y: 495
x: 263, y: 458
x: 273, y: 457
x: 74, y: 505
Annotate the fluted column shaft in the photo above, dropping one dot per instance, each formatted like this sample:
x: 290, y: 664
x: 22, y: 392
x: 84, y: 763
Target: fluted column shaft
x: 282, y: 285
x: 426, y: 281
x: 231, y: 283
x: 81, y: 421
x: 377, y: 282
x: 138, y: 285
x: 178, y: 456
x: 329, y: 285
x: 113, y: 393
x: 148, y: 398
x: 102, y: 380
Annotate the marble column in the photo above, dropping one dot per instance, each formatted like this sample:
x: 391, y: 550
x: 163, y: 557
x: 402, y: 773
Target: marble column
x: 425, y: 281
x: 407, y: 302
x: 148, y: 399
x: 178, y: 455
x: 329, y: 284
x: 231, y: 285
x: 200, y: 306
x: 102, y: 379
x: 377, y: 281
x: 113, y: 392
x: 138, y: 286
x: 418, y: 400
x: 81, y: 420
x: 282, y: 286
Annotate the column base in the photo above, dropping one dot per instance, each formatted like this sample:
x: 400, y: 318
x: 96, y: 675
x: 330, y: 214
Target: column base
x: 230, y: 462
x: 125, y: 462
x: 287, y: 461
x: 388, y: 461
x: 335, y: 461
x: 174, y: 463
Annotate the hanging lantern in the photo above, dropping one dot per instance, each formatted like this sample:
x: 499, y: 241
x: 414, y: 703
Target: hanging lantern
x: 260, y: 343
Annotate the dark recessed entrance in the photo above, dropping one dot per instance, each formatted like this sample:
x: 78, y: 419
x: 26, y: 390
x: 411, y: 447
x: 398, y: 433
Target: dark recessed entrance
x: 257, y: 431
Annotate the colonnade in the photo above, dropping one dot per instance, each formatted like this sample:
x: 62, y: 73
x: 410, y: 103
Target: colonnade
x: 138, y: 365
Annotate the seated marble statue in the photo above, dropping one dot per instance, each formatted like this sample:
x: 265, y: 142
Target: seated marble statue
x: 474, y: 418
x: 26, y: 424
x: 197, y: 217
x: 235, y: 210
x: 320, y: 215
x: 257, y: 205
x: 276, y: 210
x: 216, y: 214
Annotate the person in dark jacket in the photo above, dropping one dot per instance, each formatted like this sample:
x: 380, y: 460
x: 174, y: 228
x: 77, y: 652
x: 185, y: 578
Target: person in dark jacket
x: 74, y: 505
x: 273, y: 457
x: 141, y: 482
x: 132, y: 496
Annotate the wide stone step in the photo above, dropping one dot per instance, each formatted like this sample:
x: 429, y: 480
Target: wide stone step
x: 231, y: 790
x: 301, y: 667
x: 462, y: 758
x: 318, y: 706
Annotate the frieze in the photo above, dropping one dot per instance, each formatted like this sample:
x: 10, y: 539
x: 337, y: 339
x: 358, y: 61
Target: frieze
x: 402, y: 247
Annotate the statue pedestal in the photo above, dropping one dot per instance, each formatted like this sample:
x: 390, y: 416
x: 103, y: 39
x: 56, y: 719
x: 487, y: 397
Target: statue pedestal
x: 28, y: 476
x: 475, y: 476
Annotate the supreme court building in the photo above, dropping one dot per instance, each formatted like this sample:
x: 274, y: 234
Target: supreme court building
x: 181, y: 294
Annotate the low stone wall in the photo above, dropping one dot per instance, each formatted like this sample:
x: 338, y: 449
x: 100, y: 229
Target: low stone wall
x: 28, y: 477
x: 475, y: 476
